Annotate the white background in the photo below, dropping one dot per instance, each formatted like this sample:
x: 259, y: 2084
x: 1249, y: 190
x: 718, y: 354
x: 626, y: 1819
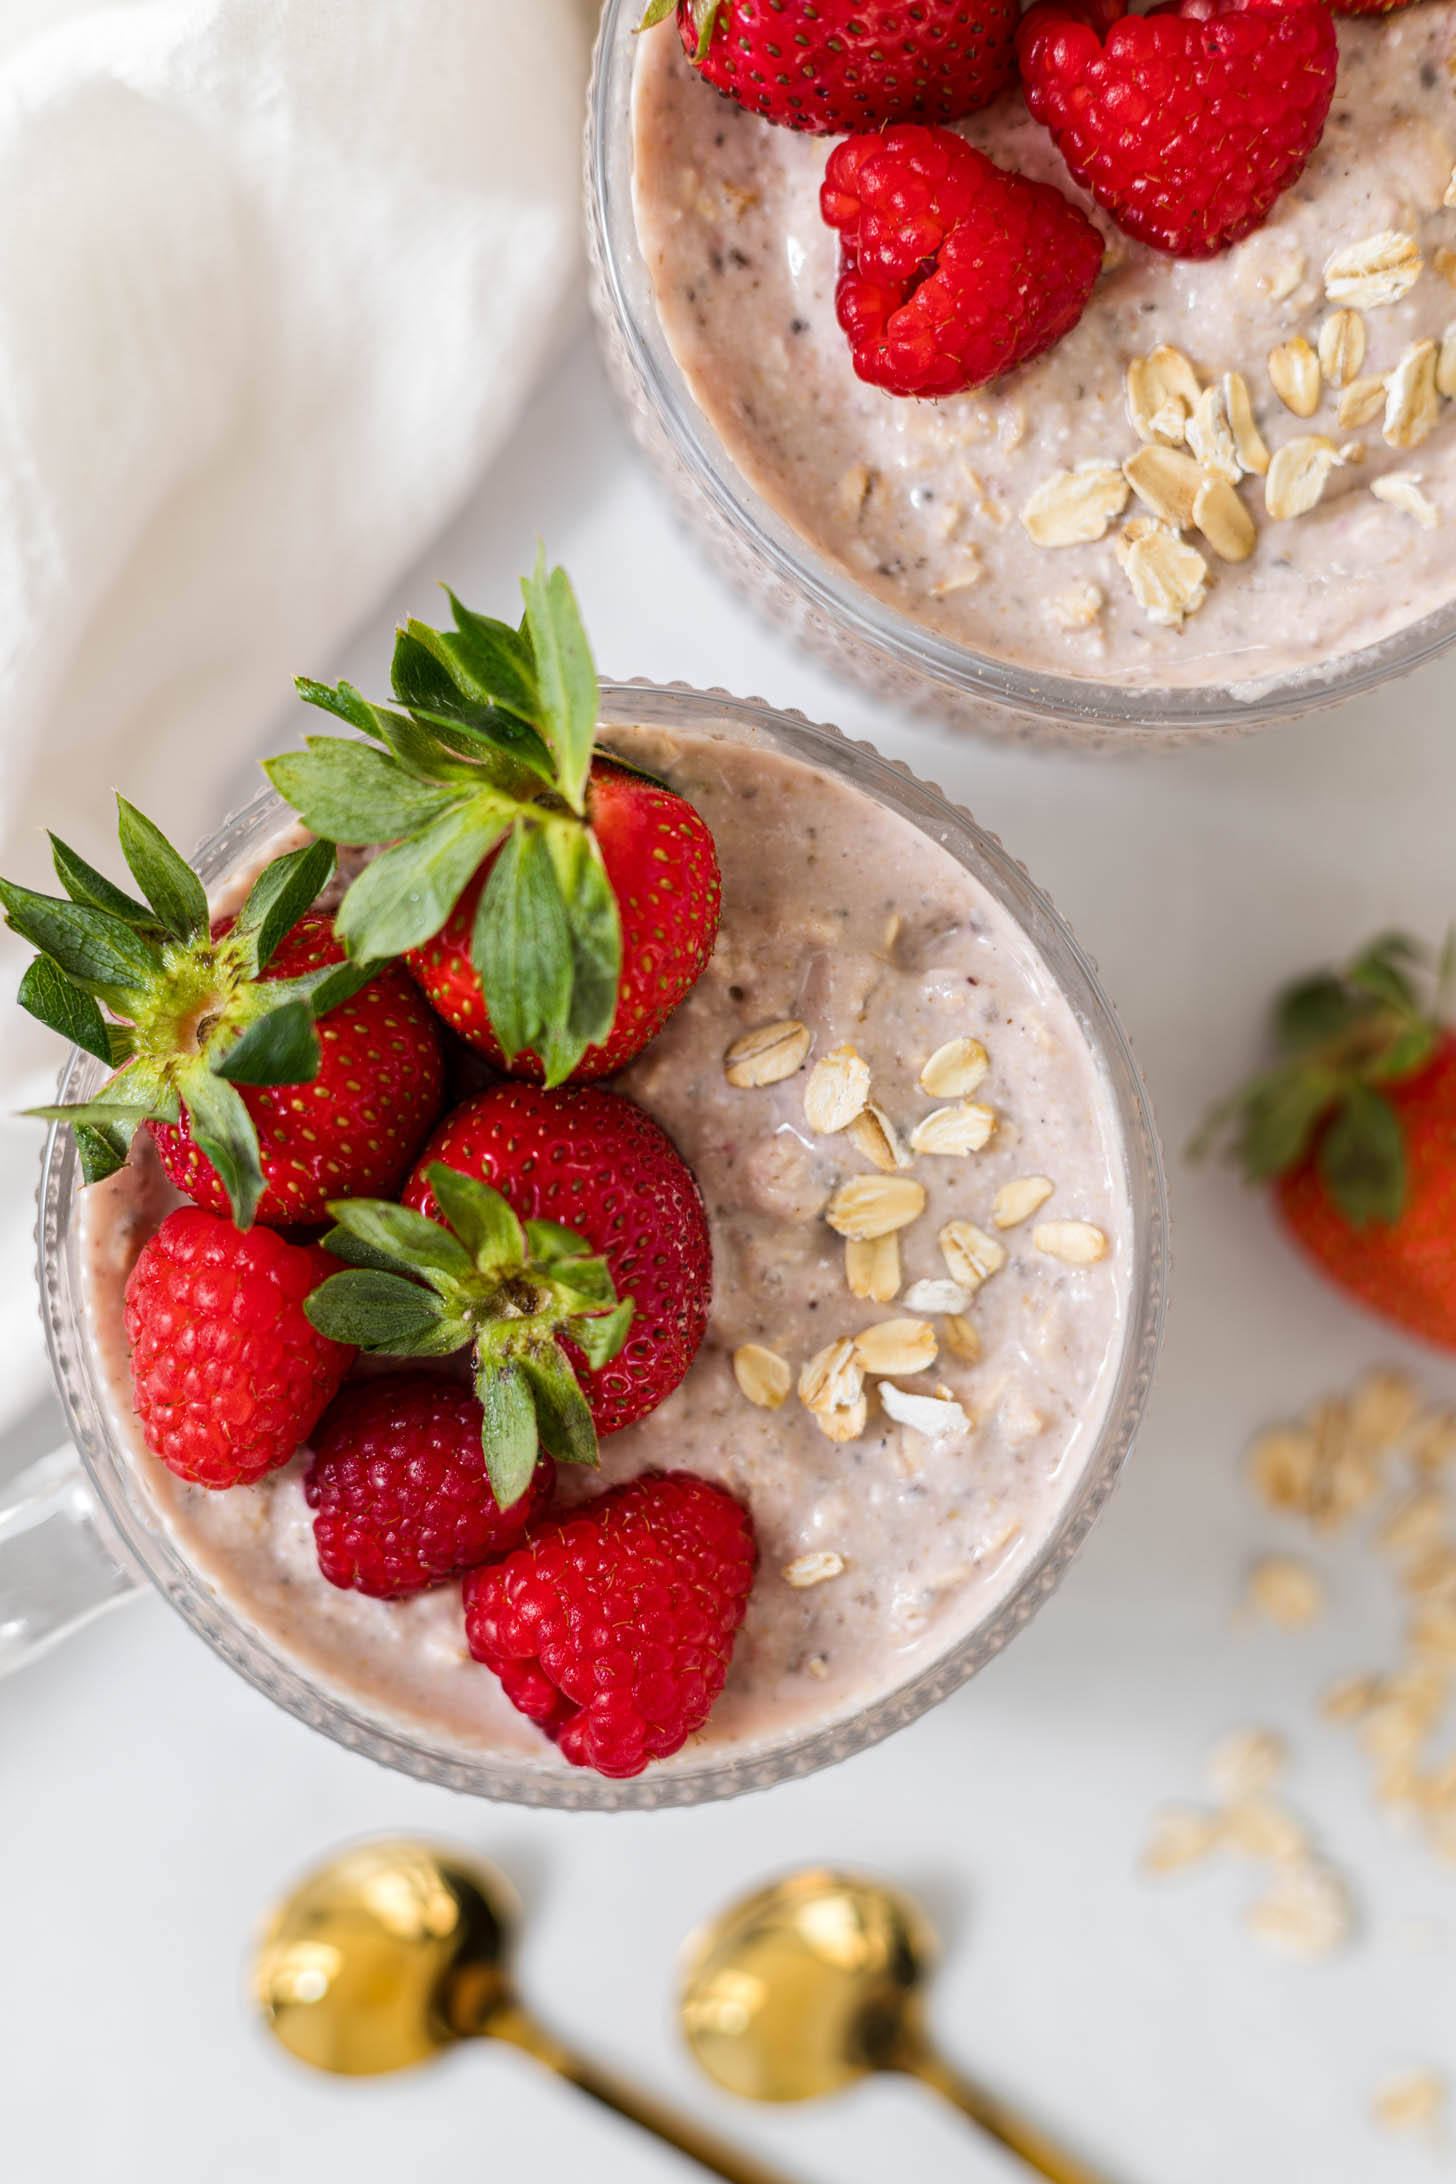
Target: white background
x: 152, y: 1802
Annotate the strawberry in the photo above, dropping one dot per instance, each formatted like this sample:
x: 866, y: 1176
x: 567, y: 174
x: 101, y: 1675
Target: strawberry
x: 661, y: 866
x: 613, y: 1628
x: 558, y: 1234
x: 830, y: 65
x: 1186, y: 123
x: 951, y: 269
x: 228, y: 1376
x: 1355, y: 1125
x: 578, y: 902
x: 269, y: 1079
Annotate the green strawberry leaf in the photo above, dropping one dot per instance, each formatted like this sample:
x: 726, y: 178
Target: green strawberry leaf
x: 342, y: 700
x: 384, y: 1314
x: 508, y: 1436
x: 101, y: 1149
x: 403, y: 898
x: 1361, y: 1158
x: 349, y: 792
x: 398, y: 1233
x: 563, y: 1421
x: 283, y: 892
x: 83, y: 883
x: 165, y: 878
x: 1408, y: 1051
x: 521, y: 944
x: 225, y: 1132
x: 93, y: 947
x: 549, y: 1241
x: 1281, y: 1117
x: 481, y: 1218
x: 49, y: 996
x: 657, y: 12
x: 336, y: 983
x: 1314, y: 1011
x: 582, y: 1285
x: 489, y: 658
x: 600, y: 1335
x: 100, y: 1114
x: 705, y: 19
x: 279, y: 1048
x: 594, y: 934
x: 569, y: 697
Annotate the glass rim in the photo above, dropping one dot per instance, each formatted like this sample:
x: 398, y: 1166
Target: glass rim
x: 731, y: 1769
x: 1066, y: 702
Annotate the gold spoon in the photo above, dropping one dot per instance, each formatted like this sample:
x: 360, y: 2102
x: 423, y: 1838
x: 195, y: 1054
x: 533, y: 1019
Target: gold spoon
x: 396, y: 1949
x: 812, y: 1983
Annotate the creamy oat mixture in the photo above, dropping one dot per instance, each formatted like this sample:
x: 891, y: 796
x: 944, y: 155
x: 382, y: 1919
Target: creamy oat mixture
x: 841, y: 919
x: 922, y: 501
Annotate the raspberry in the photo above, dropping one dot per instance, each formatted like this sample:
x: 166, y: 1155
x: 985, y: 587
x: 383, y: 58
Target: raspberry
x: 612, y: 1628
x: 951, y: 269
x: 399, y: 1488
x: 1188, y: 123
x: 228, y: 1377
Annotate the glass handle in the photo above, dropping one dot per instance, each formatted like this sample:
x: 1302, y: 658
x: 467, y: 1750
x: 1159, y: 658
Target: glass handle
x: 58, y: 1568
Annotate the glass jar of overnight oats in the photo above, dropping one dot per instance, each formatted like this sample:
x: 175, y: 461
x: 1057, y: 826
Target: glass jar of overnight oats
x: 898, y: 1553
x: 888, y: 533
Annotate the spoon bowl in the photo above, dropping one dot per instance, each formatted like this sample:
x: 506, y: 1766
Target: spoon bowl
x: 806, y: 1986
x: 385, y: 1955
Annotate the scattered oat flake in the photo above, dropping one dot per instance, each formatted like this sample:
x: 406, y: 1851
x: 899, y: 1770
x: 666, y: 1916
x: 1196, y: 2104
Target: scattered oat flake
x: 1181, y: 1836
x: 1351, y: 1697
x: 1169, y: 578
x: 970, y: 1255
x: 872, y: 1267
x: 768, y: 1055
x: 1288, y: 1592
x: 1211, y: 438
x: 1412, y: 404
x: 954, y: 1069
x: 1019, y: 1200
x: 1076, y: 1243
x: 1282, y: 1464
x: 1305, y: 1910
x: 951, y: 1131
x: 931, y: 1415
x: 873, y: 1134
x: 1411, y: 2100
x: 1342, y: 347
x: 868, y: 1206
x: 1446, y: 363
x: 1443, y: 261
x: 1263, y: 1829
x: 961, y: 1338
x: 1162, y: 392
x: 1298, y: 474
x: 836, y: 1090
x: 1076, y: 608
x: 970, y: 572
x: 1166, y: 480
x: 1253, y: 453
x: 1379, y: 269
x: 853, y: 490
x: 896, y: 1346
x: 1223, y: 519
x: 1074, y: 507
x: 762, y: 1375
x: 1432, y: 1440
x: 1247, y: 1761
x: 814, y: 1569
x: 1294, y: 372
x: 831, y: 1389
x: 1415, y: 1524
x: 936, y: 1296
x: 1359, y: 402
x: 1403, y: 491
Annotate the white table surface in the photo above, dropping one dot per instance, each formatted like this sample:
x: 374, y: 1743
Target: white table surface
x: 152, y: 1801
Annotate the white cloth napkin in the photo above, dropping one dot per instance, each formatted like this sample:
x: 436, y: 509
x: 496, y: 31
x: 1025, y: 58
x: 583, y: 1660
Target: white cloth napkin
x: 275, y: 276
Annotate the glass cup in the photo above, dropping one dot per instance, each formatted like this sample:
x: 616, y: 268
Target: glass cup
x: 83, y: 1532
x: 816, y: 598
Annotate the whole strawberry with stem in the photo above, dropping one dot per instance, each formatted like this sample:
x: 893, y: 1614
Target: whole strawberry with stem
x: 399, y: 1490
x: 228, y: 1375
x: 562, y: 1238
x: 831, y: 65
x: 952, y: 270
x: 613, y: 1628
x: 555, y: 906
x: 1187, y: 123
x: 1354, y: 1124
x: 272, y: 1074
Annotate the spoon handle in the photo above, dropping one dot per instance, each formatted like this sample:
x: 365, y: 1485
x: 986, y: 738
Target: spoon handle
x: 510, y: 2022
x: 1001, y: 2123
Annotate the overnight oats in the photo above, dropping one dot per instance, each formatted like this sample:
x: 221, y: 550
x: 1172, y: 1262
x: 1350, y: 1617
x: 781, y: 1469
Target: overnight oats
x: 873, y: 1190
x: 1232, y: 472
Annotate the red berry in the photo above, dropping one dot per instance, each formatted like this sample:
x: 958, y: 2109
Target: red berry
x: 612, y: 1628
x: 399, y: 1488
x: 1187, y: 123
x: 827, y: 65
x: 951, y: 269
x: 593, y: 1161
x: 1405, y: 1269
x: 228, y: 1377
x: 663, y: 869
x: 353, y: 1131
